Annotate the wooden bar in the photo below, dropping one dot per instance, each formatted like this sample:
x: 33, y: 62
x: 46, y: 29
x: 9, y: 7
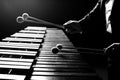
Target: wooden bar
x: 26, y: 35
x: 12, y: 77
x: 61, y: 63
x: 23, y: 40
x: 16, y: 59
x: 50, y: 39
x: 15, y: 63
x: 35, y: 28
x: 60, y: 66
x: 59, y: 60
x: 33, y: 31
x: 19, y: 45
x: 82, y: 77
x: 63, y: 58
x: 15, y: 66
x: 60, y: 53
x: 18, y: 53
x: 50, y: 43
x: 63, y: 74
x: 83, y: 70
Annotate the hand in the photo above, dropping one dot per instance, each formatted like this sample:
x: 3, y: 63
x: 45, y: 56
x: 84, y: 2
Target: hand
x: 112, y: 47
x: 72, y: 27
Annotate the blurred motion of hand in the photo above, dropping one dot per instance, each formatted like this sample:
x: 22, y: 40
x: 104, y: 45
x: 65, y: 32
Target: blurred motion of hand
x: 72, y: 27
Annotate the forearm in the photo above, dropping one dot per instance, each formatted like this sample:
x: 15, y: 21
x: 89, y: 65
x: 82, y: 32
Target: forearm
x: 90, y: 22
x: 91, y: 12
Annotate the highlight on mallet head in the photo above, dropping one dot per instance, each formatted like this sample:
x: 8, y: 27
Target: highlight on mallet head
x: 59, y: 46
x: 20, y: 19
x: 25, y: 16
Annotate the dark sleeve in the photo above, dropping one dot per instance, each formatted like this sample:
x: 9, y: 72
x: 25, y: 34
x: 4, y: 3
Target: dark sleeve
x: 93, y: 24
x: 94, y: 21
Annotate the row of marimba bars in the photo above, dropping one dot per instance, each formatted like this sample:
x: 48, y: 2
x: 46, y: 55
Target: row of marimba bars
x: 18, y: 52
x: 67, y: 64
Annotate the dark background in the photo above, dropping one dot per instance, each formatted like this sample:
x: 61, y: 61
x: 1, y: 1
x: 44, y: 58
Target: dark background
x: 56, y: 11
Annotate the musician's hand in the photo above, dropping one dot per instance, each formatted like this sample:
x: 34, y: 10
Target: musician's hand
x: 72, y: 27
x: 112, y: 47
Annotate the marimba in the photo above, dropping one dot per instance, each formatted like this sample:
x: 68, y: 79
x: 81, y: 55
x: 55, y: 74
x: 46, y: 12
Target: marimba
x: 27, y: 55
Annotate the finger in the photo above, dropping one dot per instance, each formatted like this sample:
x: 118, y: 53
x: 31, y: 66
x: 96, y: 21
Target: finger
x: 76, y: 32
x: 67, y: 30
x: 72, y: 31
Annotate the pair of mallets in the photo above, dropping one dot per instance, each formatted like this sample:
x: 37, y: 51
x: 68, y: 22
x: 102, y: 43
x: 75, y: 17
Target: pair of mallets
x: 26, y: 18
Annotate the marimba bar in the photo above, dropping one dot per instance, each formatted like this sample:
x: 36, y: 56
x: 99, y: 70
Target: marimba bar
x: 33, y: 31
x: 23, y: 40
x: 27, y: 55
x: 28, y: 35
x: 12, y: 77
x: 36, y: 28
x: 19, y: 45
